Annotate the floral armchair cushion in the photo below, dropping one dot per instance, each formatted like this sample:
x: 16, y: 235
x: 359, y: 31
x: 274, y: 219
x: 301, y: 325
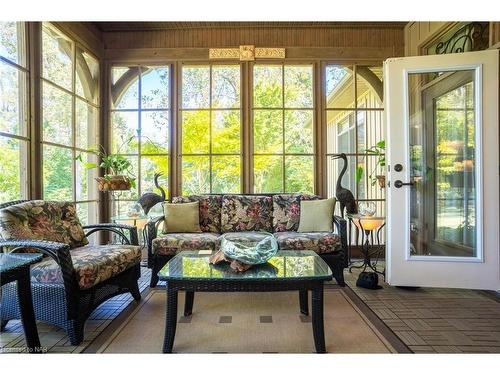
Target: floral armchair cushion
x: 286, y: 211
x: 242, y: 213
x: 93, y: 264
x: 172, y: 243
x: 210, y: 208
x: 319, y: 242
x: 43, y: 220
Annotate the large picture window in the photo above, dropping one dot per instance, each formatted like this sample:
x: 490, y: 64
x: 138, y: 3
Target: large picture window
x: 354, y: 124
x: 211, y: 129
x: 140, y: 126
x: 255, y: 135
x: 70, y: 113
x: 14, y: 130
x: 283, y: 128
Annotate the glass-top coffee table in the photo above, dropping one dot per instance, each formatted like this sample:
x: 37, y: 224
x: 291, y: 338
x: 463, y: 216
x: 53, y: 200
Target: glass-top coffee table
x: 190, y: 271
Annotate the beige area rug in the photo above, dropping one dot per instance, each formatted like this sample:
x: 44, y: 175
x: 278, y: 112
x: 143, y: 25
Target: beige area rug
x: 246, y: 323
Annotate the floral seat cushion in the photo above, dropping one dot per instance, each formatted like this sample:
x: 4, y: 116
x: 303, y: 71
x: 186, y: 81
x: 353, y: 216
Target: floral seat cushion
x: 43, y: 220
x: 210, y: 206
x: 286, y: 211
x: 93, y: 264
x: 172, y: 243
x: 319, y: 242
x: 242, y: 213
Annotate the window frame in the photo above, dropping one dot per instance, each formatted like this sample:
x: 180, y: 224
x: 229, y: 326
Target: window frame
x: 25, y: 180
x: 210, y: 109
x: 358, y: 108
x: 92, y: 193
x: 116, y: 199
x: 315, y: 126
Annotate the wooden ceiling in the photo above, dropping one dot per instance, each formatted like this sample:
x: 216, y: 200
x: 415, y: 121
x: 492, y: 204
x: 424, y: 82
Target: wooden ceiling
x: 147, y: 26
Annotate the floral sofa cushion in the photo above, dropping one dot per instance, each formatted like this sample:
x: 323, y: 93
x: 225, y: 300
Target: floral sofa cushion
x: 210, y: 208
x: 43, y: 220
x: 172, y: 243
x: 93, y: 264
x: 320, y: 242
x: 242, y: 213
x: 286, y: 211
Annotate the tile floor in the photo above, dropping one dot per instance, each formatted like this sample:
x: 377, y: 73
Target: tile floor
x: 427, y: 320
x: 436, y: 320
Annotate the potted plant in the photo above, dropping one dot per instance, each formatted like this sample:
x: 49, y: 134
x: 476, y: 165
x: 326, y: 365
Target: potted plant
x: 379, y: 151
x: 118, y: 174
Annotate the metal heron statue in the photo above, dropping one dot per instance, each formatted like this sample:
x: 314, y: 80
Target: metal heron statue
x: 343, y: 195
x: 148, y: 200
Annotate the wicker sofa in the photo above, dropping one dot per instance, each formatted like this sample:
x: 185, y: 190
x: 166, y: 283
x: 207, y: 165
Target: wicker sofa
x: 275, y: 213
x: 75, y: 277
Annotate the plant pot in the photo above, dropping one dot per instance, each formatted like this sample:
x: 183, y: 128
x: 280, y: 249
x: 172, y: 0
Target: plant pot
x: 381, y: 181
x: 112, y: 183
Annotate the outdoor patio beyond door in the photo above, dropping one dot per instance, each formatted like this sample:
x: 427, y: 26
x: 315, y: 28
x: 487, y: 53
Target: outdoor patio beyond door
x: 442, y: 164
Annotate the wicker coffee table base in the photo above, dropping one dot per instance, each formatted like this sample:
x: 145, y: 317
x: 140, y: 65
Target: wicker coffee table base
x: 192, y: 286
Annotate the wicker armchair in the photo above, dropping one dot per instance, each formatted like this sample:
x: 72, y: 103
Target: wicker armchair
x: 74, y: 278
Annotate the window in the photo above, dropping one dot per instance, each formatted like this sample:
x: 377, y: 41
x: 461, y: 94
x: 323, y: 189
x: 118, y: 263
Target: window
x: 354, y: 123
x: 14, y: 134
x: 140, y: 125
x: 283, y: 128
x: 70, y: 112
x: 211, y: 129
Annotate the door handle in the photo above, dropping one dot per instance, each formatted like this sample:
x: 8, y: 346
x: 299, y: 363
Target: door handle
x: 399, y: 184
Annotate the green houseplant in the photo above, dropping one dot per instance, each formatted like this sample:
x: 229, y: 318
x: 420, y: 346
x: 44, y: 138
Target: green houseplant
x: 118, y: 170
x: 379, y: 151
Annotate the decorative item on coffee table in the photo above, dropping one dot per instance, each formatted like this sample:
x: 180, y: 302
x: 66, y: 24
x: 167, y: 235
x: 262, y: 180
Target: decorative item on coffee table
x: 244, y: 251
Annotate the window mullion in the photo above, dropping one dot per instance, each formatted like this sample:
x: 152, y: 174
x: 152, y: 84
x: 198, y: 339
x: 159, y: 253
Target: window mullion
x: 283, y: 182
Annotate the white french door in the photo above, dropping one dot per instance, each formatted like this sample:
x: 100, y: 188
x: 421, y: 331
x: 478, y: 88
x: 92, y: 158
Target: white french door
x: 443, y: 170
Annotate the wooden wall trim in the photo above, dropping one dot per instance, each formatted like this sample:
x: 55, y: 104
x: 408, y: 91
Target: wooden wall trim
x: 350, y: 55
x: 348, y: 36
x: 158, y: 26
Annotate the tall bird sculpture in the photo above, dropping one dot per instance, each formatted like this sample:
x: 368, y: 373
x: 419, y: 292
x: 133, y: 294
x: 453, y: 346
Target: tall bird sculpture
x: 148, y: 200
x: 343, y: 195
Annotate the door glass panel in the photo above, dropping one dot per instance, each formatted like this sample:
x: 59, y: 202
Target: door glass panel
x: 442, y: 136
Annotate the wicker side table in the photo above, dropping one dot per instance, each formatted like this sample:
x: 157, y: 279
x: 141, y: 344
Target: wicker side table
x: 16, y: 267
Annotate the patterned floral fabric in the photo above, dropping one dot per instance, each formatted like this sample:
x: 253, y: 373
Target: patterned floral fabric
x: 242, y: 213
x: 43, y: 220
x: 93, y: 264
x: 286, y: 211
x: 172, y: 243
x: 320, y: 242
x: 210, y: 208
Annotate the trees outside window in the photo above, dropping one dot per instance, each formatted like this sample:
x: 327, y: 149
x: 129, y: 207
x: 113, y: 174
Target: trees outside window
x: 211, y: 129
x: 140, y: 126
x: 14, y: 112
x: 70, y: 116
x: 283, y: 128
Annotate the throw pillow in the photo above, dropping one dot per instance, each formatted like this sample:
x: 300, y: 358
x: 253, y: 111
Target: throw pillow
x: 316, y: 215
x: 182, y: 217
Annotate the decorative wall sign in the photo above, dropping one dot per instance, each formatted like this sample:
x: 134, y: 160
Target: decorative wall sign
x: 224, y: 53
x: 270, y: 53
x: 246, y: 53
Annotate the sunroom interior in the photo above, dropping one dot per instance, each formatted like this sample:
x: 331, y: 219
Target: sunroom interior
x: 259, y: 110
